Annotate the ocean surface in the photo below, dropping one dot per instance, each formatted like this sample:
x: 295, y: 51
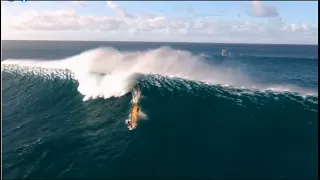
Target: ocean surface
x: 250, y: 112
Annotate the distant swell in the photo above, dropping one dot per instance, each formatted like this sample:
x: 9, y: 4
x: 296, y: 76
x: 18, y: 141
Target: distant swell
x: 277, y: 57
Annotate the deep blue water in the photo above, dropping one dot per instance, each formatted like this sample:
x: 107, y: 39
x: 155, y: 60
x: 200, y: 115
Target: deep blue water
x: 266, y: 128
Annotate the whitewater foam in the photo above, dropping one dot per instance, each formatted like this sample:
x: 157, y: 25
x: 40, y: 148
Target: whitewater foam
x: 107, y: 72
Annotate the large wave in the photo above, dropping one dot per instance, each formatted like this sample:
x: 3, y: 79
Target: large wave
x: 107, y: 72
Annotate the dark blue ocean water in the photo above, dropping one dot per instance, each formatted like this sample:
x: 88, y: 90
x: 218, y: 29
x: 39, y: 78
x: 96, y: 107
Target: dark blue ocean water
x: 252, y: 113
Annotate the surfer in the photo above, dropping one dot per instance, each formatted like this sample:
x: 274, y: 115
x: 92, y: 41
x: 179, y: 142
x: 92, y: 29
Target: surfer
x: 134, y: 114
x: 223, y: 52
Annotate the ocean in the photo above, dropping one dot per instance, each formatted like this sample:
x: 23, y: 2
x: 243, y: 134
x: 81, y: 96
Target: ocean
x: 250, y: 112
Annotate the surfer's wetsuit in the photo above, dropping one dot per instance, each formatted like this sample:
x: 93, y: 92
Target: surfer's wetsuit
x: 129, y: 124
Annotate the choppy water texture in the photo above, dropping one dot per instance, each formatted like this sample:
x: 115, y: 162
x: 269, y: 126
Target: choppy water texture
x: 250, y: 114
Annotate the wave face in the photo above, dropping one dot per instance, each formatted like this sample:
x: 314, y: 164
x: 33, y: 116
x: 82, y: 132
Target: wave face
x: 207, y: 118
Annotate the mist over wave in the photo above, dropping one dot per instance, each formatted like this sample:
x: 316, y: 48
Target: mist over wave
x: 107, y: 72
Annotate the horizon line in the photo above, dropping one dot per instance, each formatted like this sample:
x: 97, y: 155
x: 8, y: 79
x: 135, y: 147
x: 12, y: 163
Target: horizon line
x: 158, y: 42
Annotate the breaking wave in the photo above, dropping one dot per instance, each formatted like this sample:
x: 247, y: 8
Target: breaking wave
x: 107, y: 72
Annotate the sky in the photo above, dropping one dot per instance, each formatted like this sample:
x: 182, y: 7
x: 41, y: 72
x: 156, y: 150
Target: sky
x: 281, y: 22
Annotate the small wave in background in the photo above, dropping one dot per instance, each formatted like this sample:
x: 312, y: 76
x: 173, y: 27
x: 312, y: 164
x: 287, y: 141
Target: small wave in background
x: 251, y: 114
